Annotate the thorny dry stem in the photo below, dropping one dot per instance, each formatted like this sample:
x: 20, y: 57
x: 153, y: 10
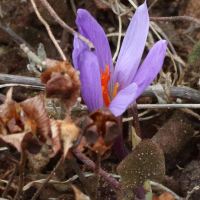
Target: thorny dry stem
x: 48, y: 30
x: 65, y: 26
x: 47, y: 180
x: 91, y: 164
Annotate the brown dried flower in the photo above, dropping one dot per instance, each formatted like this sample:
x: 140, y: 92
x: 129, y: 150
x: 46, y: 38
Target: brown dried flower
x: 100, y: 129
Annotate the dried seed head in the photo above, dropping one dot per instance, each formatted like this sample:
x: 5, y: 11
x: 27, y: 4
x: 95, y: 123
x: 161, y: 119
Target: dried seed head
x: 145, y: 162
x: 100, y: 129
x: 62, y: 81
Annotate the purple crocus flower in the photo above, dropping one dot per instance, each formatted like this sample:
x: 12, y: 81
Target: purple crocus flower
x: 118, y: 87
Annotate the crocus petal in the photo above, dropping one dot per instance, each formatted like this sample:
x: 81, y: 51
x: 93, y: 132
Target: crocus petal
x: 150, y: 66
x: 123, y: 99
x: 90, y: 28
x: 90, y: 80
x: 79, y: 46
x: 132, y: 47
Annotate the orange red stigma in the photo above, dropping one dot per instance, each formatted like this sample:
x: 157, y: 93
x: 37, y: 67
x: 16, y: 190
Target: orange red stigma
x: 105, y: 78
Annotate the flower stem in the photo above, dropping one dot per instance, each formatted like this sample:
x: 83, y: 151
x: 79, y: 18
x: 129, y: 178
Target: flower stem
x: 136, y: 119
x: 118, y: 146
x: 90, y: 163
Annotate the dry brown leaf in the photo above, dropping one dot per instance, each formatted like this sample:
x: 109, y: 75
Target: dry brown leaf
x: 55, y: 136
x: 64, y: 131
x: 23, y: 125
x: 34, y: 109
x: 79, y: 195
x: 17, y: 140
x: 70, y: 135
x: 9, y: 109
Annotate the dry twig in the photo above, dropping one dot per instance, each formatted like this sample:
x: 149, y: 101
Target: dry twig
x: 65, y: 26
x: 90, y: 163
x: 48, y: 30
x: 47, y: 180
x: 176, y: 18
x: 21, y: 176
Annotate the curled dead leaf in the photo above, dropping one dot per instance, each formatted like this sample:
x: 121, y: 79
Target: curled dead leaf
x: 34, y: 109
x: 24, y: 125
x: 65, y: 131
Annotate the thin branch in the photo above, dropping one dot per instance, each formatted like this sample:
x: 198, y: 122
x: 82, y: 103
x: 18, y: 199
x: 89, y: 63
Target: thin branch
x: 16, y: 165
x: 191, y: 192
x: 48, y: 30
x: 65, y: 26
x: 182, y: 92
x: 114, y: 34
x: 150, y: 117
x: 176, y: 18
x: 10, y: 182
x: 80, y: 174
x: 153, y: 28
x: 22, y: 85
x: 152, y: 4
x: 90, y: 163
x: 139, y: 115
x: 73, y: 7
x: 119, y: 39
x: 21, y: 176
x: 188, y: 111
x: 169, y: 106
x: 47, y: 180
x: 8, y: 79
x: 16, y: 38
